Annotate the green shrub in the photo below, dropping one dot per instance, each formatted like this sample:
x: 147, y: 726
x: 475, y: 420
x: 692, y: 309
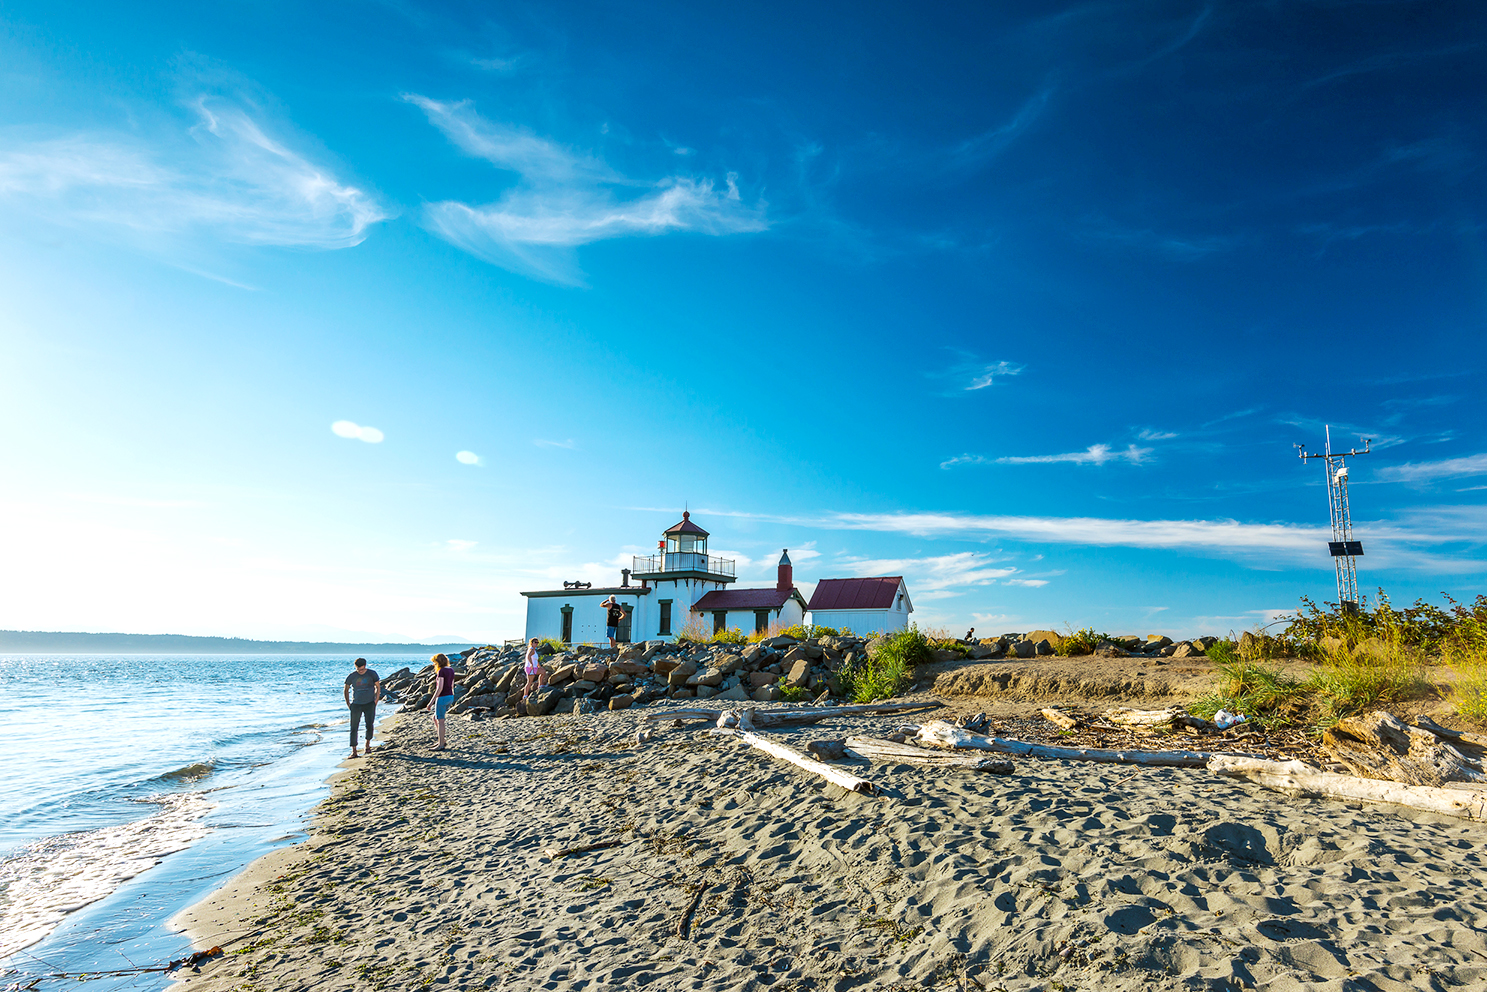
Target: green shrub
x: 1266, y: 696
x: 794, y: 693
x: 874, y: 677
x: 1465, y: 650
x: 557, y: 646
x: 731, y: 635
x: 1223, y: 653
x: 1345, y: 685
x: 1078, y: 642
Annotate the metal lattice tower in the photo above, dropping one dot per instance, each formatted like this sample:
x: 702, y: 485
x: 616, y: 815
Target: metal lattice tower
x: 1345, y: 551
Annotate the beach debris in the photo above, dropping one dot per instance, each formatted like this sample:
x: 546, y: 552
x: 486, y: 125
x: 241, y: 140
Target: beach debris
x: 1223, y: 719
x: 836, y: 776
x: 1299, y: 778
x: 1378, y: 745
x: 827, y: 750
x: 643, y: 736
x: 976, y: 724
x: 699, y: 888
x: 941, y: 734
x: 878, y: 748
x: 1059, y: 718
x: 786, y: 717
x: 554, y: 853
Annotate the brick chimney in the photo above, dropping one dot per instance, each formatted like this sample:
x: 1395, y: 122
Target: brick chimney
x: 787, y: 573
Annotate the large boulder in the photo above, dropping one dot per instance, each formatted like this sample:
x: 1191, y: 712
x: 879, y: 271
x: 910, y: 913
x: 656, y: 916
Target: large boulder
x: 503, y: 684
x: 768, y: 694
x: 729, y: 663
x: 709, y: 677
x: 628, y: 668
x: 1024, y: 648
x: 735, y: 693
x: 758, y: 679
x: 795, y: 654
x: 752, y: 654
x: 799, y: 675
x: 1187, y: 649
x: 706, y: 692
x: 1044, y: 647
x: 779, y: 643
x: 621, y: 702
x: 1051, y: 636
x: 594, y: 673
x: 543, y: 701
x: 679, y: 675
x: 663, y: 664
x: 563, y: 675
x: 991, y: 647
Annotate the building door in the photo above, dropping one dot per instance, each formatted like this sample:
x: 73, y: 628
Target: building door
x: 720, y: 621
x: 622, y: 634
x: 567, y: 625
x: 761, y: 621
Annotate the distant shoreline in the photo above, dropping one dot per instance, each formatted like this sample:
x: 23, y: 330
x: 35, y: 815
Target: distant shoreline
x: 54, y: 642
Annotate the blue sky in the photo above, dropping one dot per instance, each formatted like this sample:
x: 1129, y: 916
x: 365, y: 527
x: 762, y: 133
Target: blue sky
x: 1029, y: 307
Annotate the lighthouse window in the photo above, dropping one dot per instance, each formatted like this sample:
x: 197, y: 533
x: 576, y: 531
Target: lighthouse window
x: 665, y: 605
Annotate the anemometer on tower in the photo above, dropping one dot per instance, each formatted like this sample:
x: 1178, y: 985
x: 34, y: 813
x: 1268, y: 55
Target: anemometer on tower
x: 1345, y: 550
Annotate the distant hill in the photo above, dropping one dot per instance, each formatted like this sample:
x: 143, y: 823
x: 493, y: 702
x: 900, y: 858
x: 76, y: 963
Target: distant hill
x: 57, y: 642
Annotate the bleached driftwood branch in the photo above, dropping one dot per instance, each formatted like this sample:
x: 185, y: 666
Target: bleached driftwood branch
x: 873, y: 747
x: 836, y: 776
x: 942, y: 734
x: 1060, y: 719
x: 1299, y: 778
x: 1377, y: 745
x: 779, y: 718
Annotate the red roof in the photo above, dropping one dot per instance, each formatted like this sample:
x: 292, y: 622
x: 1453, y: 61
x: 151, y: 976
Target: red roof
x: 685, y: 527
x: 855, y: 594
x: 743, y: 599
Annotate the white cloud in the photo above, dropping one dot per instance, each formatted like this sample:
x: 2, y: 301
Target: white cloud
x: 541, y: 443
x: 226, y: 177
x: 936, y: 573
x: 455, y: 544
x: 987, y: 374
x: 564, y: 198
x: 1151, y: 434
x: 1095, y: 454
x: 1029, y: 583
x: 1449, y: 468
x: 467, y: 458
x: 350, y: 429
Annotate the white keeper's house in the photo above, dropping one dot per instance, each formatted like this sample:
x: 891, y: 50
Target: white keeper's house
x: 661, y: 592
x: 878, y: 605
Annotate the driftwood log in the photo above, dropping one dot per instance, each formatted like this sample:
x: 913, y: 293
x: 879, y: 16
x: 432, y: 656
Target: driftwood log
x: 784, y: 718
x: 1060, y: 719
x: 1454, y: 736
x: 836, y: 776
x: 942, y: 734
x: 1172, y: 716
x: 1378, y: 746
x: 877, y: 748
x: 1298, y: 778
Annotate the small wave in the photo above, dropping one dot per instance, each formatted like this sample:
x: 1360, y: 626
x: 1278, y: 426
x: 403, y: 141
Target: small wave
x: 188, y: 773
x: 44, y: 882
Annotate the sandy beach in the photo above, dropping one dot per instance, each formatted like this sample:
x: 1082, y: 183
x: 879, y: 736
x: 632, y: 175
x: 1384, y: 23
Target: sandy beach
x: 730, y: 870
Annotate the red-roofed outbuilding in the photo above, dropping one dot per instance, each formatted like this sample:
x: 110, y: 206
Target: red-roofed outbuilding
x: 879, y: 604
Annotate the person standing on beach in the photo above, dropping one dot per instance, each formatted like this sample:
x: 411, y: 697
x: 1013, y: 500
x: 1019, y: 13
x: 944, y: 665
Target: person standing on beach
x: 363, y: 692
x: 443, y: 696
x: 614, y: 616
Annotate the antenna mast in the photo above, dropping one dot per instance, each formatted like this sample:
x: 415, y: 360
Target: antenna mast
x: 1345, y: 551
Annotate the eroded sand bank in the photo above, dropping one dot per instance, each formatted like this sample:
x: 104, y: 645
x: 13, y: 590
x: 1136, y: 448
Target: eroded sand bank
x: 427, y: 869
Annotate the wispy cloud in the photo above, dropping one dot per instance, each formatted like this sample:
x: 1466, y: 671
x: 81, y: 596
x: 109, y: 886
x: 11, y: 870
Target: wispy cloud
x: 1095, y: 454
x: 988, y: 374
x: 542, y: 443
x: 1151, y: 434
x: 359, y: 432
x: 972, y: 374
x: 1448, y: 468
x: 456, y: 544
x: 936, y: 573
x: 226, y: 177
x: 1178, y: 246
x: 564, y: 198
x: 973, y: 153
x: 1029, y: 583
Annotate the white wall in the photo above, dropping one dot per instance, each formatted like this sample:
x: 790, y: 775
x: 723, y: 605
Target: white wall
x: 786, y: 616
x: 545, y: 613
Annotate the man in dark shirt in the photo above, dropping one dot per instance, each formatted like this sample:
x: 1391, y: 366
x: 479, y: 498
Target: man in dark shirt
x: 363, y: 692
x: 614, y: 616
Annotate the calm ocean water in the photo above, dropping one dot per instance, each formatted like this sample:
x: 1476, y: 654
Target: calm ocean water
x: 132, y: 786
